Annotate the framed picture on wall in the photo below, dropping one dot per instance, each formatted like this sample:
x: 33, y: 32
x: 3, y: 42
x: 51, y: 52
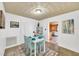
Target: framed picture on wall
x: 14, y: 24
x: 68, y: 26
x: 2, y: 20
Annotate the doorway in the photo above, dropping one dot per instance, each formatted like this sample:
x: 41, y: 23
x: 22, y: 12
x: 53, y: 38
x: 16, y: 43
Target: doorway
x: 53, y: 29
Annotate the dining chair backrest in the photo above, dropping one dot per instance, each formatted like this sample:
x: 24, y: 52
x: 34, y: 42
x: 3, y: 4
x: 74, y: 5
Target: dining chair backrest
x: 29, y: 41
x: 26, y: 41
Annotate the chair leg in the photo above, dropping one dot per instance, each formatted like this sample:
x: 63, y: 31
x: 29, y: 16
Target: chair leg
x: 27, y: 51
x: 30, y: 52
x: 40, y: 48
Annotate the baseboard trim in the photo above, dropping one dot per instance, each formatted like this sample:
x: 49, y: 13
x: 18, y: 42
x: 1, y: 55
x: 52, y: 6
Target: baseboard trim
x: 63, y: 51
x: 13, y: 45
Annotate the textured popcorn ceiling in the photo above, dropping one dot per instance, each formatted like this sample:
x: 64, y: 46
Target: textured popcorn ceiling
x: 50, y: 9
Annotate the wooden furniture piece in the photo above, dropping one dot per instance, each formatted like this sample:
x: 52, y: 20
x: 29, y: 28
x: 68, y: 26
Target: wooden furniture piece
x: 52, y: 30
x: 53, y: 27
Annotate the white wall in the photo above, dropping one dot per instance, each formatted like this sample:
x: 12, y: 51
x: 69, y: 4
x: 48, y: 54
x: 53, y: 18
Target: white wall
x: 2, y: 34
x: 26, y: 27
x: 25, y: 23
x: 69, y: 41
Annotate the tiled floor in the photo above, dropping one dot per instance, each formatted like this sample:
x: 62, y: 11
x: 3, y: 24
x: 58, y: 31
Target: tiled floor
x: 20, y: 51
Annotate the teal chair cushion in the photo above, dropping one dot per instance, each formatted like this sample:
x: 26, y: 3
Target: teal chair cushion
x: 40, y: 36
x: 33, y: 39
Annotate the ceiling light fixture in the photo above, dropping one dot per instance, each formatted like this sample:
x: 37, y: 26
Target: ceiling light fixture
x: 38, y: 11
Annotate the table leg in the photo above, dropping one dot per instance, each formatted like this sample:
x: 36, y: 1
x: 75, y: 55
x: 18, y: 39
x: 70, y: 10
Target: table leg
x: 44, y: 45
x: 35, y: 50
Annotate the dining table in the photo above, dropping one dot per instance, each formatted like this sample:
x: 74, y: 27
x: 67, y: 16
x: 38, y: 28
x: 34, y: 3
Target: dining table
x: 37, y: 41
